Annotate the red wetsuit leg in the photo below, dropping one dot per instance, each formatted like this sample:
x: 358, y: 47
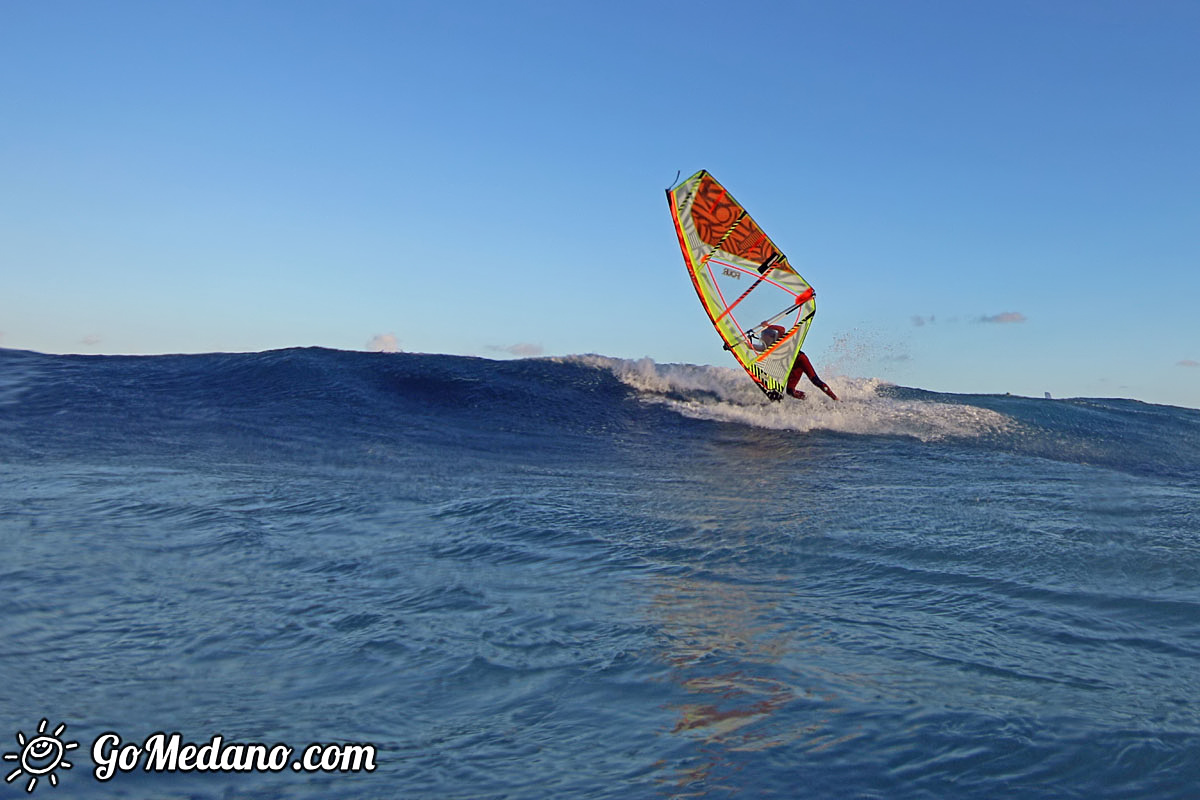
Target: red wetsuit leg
x: 804, y: 367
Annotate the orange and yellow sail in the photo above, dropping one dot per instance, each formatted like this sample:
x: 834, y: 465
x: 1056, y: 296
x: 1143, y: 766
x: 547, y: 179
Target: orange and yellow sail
x: 744, y: 280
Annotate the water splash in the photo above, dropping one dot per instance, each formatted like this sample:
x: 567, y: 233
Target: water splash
x: 725, y: 395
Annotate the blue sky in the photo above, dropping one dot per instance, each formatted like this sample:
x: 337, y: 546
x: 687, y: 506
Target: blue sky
x: 987, y: 196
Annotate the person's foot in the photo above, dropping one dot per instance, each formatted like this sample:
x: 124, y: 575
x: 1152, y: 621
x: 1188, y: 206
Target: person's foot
x: 796, y: 393
x: 829, y: 392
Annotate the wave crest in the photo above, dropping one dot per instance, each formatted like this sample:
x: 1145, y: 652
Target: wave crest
x: 723, y: 394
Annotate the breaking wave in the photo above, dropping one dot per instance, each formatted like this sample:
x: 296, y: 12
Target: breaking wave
x: 867, y: 405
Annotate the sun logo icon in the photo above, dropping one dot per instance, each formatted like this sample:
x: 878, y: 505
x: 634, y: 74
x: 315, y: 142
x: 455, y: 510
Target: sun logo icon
x: 40, y: 755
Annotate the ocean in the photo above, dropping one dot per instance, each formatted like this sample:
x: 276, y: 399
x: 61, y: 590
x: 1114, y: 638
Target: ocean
x: 587, y: 577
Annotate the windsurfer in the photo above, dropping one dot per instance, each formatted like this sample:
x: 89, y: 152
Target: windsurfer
x: 803, y: 367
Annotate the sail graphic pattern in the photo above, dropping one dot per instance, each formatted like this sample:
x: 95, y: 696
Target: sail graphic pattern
x: 757, y: 302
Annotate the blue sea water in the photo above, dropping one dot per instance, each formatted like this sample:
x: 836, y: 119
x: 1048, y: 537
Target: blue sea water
x: 590, y: 577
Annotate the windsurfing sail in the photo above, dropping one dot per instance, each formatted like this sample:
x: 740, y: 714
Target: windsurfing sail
x: 756, y: 300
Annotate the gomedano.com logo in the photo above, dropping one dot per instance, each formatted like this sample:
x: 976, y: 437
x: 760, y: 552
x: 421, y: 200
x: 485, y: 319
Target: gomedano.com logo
x: 163, y: 752
x: 44, y: 753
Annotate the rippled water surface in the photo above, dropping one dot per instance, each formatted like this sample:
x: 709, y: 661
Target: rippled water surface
x: 596, y: 578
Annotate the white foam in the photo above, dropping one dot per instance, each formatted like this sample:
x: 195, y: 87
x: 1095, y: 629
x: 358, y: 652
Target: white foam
x: 726, y: 395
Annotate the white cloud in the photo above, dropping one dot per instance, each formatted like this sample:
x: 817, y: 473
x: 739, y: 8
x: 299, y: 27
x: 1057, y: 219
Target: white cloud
x: 1004, y: 317
x: 384, y: 343
x: 524, y: 349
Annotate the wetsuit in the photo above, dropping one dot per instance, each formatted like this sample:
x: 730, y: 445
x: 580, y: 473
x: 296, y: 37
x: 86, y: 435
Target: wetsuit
x: 804, y: 367
x: 769, y: 336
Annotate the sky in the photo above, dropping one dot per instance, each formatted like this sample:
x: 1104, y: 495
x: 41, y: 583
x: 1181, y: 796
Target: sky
x: 988, y: 197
